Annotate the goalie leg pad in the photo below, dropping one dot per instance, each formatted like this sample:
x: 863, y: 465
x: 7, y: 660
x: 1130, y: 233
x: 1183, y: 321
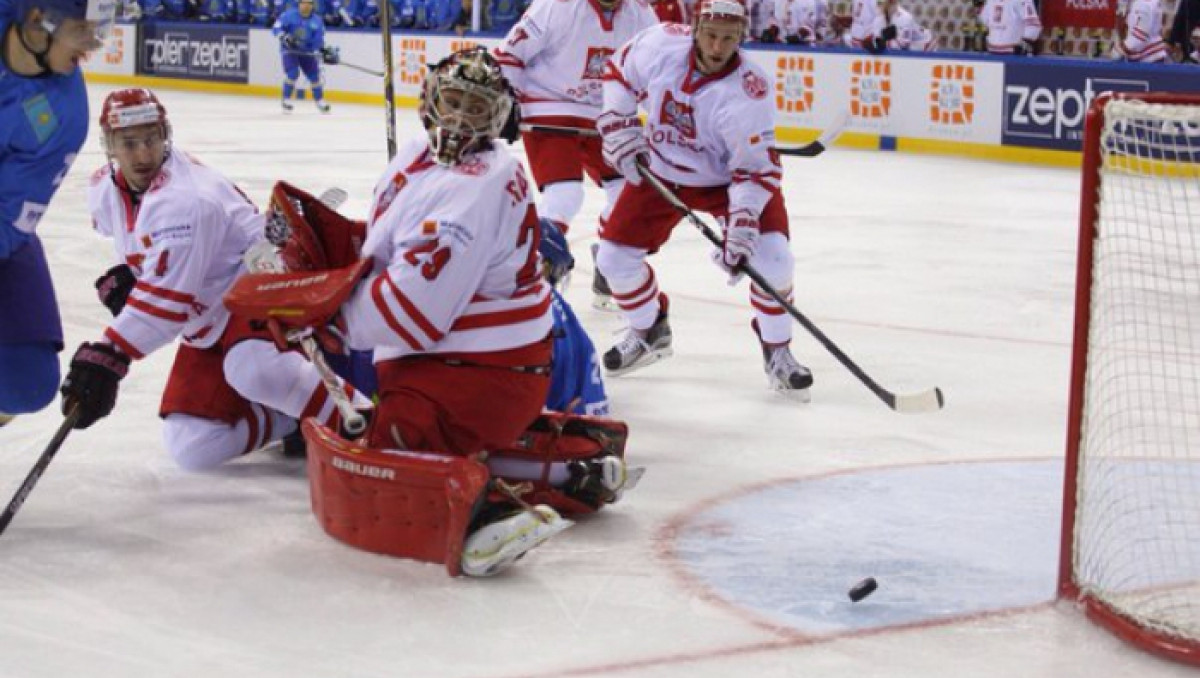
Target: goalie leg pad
x: 577, y: 442
x: 415, y: 505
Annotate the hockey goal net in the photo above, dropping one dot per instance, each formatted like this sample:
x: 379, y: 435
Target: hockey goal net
x: 1131, y: 519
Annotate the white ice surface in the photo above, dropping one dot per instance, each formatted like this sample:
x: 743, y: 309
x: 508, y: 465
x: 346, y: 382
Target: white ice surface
x: 927, y: 271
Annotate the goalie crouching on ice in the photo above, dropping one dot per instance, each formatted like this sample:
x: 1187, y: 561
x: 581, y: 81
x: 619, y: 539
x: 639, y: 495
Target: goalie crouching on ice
x: 457, y: 466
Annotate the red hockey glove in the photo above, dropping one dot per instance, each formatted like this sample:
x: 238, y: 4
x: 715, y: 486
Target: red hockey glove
x: 741, y: 239
x: 624, y: 144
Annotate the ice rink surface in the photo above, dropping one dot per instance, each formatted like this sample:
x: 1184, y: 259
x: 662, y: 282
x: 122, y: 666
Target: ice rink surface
x: 733, y: 556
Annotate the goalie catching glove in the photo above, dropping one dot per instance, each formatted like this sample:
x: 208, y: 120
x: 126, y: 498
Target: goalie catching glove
x: 741, y: 240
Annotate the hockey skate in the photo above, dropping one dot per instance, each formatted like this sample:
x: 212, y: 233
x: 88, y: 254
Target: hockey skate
x: 601, y: 294
x: 639, y: 349
x: 323, y: 106
x: 287, y: 106
x: 601, y: 480
x: 497, y: 545
x: 784, y: 373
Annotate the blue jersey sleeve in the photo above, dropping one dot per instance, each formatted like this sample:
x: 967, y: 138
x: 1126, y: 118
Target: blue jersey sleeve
x: 575, y: 383
x: 43, y: 123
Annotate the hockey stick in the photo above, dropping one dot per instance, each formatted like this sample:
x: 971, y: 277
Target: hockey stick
x: 389, y: 88
x: 815, y: 148
x: 925, y: 401
x: 35, y: 473
x: 364, y: 69
x: 810, y: 150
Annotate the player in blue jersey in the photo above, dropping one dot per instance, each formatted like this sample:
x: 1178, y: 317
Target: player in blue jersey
x: 301, y: 33
x: 575, y: 383
x: 43, y: 123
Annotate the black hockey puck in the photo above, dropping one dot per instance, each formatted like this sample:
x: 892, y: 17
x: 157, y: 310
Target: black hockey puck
x: 863, y: 589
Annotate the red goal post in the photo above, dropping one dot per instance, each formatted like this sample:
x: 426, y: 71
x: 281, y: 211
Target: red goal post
x: 1131, y: 503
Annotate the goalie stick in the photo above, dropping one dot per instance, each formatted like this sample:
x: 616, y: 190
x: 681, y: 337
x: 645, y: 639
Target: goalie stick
x: 39, y: 467
x: 908, y: 403
x: 809, y: 150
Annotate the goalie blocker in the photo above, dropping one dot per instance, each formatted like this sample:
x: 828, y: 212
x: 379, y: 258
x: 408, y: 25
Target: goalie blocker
x: 446, y: 509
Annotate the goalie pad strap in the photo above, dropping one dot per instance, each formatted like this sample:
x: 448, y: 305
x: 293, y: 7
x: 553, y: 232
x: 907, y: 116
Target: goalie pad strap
x: 557, y: 437
x: 415, y: 505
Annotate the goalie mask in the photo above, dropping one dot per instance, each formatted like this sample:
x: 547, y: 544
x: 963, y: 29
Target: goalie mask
x: 464, y: 104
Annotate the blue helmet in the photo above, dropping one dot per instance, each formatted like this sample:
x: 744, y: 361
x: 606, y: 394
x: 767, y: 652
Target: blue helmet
x: 557, y: 261
x: 100, y: 12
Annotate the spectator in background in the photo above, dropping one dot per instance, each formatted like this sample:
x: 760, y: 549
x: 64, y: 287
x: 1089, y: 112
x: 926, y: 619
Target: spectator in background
x: 1142, y: 41
x: 218, y: 11
x: 906, y: 34
x: 175, y: 10
x: 462, y: 22
x: 1183, y: 26
x: 152, y: 9
x: 364, y: 12
x: 255, y: 12
x: 863, y: 14
x: 762, y: 16
x: 413, y: 14
x: 799, y: 22
x: 1013, y: 26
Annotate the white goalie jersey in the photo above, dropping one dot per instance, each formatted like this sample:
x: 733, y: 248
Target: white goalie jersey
x: 184, y: 242
x: 554, y: 56
x: 450, y: 275
x: 704, y: 130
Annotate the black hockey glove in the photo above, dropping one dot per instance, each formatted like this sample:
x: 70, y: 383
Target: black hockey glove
x: 888, y: 33
x: 114, y: 287
x: 91, y: 385
x: 769, y: 34
x: 331, y: 55
x: 288, y: 41
x: 875, y: 44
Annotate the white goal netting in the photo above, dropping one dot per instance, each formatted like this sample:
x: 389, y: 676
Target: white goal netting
x: 1136, y: 542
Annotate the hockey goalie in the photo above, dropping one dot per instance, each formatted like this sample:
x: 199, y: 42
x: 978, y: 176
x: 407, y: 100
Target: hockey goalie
x: 458, y: 464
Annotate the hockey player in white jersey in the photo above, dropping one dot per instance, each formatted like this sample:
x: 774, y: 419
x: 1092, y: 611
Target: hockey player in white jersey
x: 864, y: 21
x: 709, y: 135
x: 457, y: 311
x: 906, y: 34
x: 799, y: 22
x: 1013, y: 26
x: 554, y: 59
x: 1143, y: 39
x: 180, y: 230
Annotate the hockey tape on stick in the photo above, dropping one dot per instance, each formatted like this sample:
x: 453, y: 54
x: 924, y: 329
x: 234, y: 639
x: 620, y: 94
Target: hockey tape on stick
x: 363, y: 69
x: 39, y: 467
x: 557, y: 129
x: 925, y: 401
x: 815, y: 148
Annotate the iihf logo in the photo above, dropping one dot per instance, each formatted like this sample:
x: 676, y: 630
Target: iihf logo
x: 597, y: 57
x: 678, y: 115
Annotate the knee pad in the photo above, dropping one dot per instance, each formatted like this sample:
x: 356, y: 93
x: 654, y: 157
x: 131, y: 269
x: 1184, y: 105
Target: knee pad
x: 543, y: 454
x: 561, y: 201
x: 31, y: 377
x: 621, y: 263
x: 774, y: 260
x: 416, y: 505
x: 199, y: 444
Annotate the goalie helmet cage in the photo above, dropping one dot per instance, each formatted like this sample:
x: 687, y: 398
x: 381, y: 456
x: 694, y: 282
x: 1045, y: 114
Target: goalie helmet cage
x: 1131, y: 503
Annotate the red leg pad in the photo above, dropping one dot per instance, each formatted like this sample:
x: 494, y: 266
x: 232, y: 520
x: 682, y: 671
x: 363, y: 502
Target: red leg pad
x: 560, y: 437
x: 410, y: 504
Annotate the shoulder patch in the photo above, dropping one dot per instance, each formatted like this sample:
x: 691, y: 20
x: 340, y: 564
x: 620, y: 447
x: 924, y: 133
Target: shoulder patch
x: 754, y: 85
x: 677, y: 29
x: 41, y: 117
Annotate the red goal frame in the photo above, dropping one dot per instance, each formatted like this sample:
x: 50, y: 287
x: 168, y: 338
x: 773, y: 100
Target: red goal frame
x: 1128, y: 629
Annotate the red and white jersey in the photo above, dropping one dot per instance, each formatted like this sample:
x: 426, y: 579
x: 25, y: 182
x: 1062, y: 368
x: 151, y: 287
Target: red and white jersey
x: 554, y: 56
x: 910, y: 35
x: 184, y: 242
x: 704, y: 130
x: 1143, y: 33
x: 1009, y: 22
x: 864, y: 20
x: 456, y: 259
x: 808, y: 19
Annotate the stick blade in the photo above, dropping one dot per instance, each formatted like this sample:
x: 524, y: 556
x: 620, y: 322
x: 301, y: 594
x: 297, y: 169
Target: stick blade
x: 931, y: 400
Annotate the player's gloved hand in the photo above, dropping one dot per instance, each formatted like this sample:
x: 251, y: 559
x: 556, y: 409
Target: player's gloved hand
x: 741, y: 239
x: 114, y: 286
x: 875, y: 44
x: 888, y: 32
x: 91, y: 384
x: 288, y: 41
x: 331, y: 55
x: 1025, y: 47
x: 769, y: 34
x: 624, y: 144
